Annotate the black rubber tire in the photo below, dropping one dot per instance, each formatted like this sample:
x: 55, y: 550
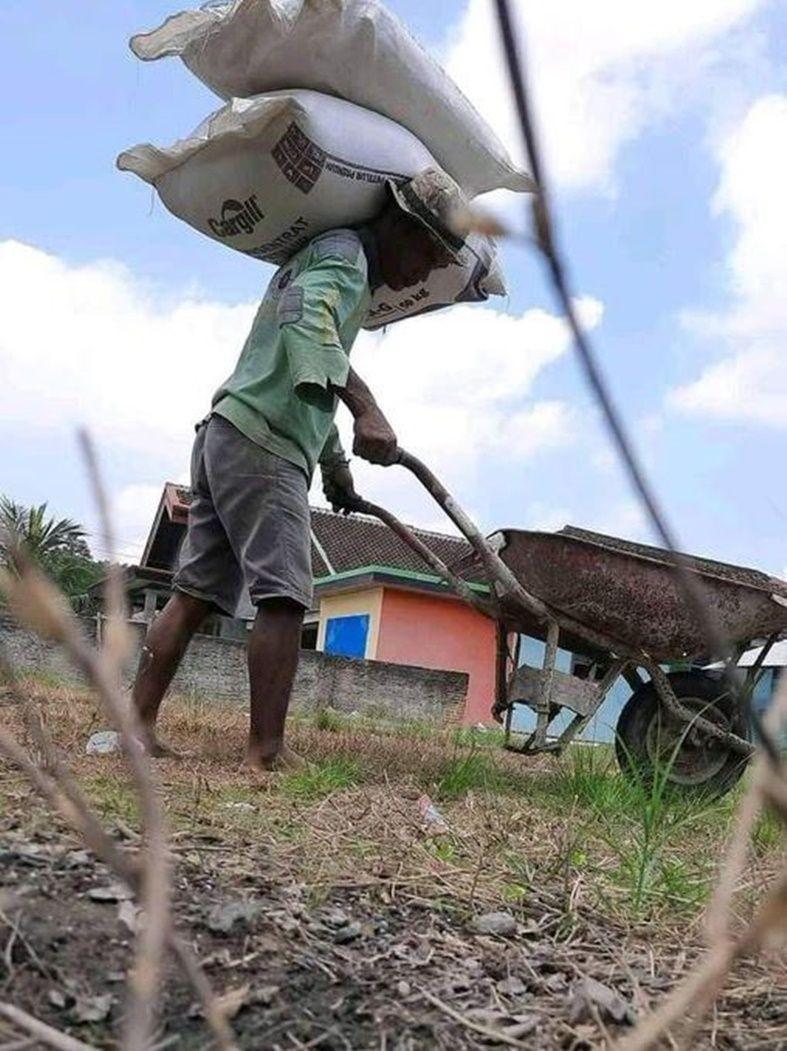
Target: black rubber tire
x: 697, y: 768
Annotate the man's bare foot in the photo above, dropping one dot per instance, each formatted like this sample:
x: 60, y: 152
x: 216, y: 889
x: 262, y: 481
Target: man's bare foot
x: 283, y: 760
x: 154, y: 747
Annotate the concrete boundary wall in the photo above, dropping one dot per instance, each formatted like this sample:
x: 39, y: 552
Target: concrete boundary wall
x: 216, y: 667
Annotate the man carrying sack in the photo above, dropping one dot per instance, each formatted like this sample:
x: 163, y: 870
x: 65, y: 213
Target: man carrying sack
x: 271, y: 423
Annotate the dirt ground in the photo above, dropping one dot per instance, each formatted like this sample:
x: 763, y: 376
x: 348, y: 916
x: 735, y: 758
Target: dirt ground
x: 340, y: 919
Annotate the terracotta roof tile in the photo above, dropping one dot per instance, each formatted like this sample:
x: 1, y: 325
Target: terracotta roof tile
x: 348, y: 542
x: 357, y: 540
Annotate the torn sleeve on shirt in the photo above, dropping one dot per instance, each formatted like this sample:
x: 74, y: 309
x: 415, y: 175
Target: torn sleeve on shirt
x: 310, y: 314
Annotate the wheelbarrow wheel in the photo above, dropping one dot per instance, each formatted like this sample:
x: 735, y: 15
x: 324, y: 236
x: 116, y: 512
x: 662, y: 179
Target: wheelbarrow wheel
x: 652, y: 746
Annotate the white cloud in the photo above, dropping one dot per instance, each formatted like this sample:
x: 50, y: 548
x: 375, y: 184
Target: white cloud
x: 457, y: 388
x: 545, y: 518
x: 750, y: 385
x: 624, y: 518
x: 600, y: 72
x: 133, y: 508
x: 93, y: 345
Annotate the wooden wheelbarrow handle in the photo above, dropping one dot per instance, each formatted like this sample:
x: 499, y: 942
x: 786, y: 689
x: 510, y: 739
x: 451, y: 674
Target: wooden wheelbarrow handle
x: 505, y: 589
x: 502, y: 582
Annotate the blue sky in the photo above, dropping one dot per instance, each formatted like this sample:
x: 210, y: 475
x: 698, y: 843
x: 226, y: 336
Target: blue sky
x: 667, y: 134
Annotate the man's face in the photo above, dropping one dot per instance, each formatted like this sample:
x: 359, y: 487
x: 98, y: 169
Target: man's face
x: 408, y: 252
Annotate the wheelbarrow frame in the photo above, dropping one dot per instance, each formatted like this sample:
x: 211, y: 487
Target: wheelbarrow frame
x: 546, y: 691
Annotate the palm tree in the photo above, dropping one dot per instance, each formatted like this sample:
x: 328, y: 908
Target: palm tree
x: 42, y: 536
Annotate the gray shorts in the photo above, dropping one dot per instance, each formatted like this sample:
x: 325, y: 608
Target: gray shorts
x: 248, y: 523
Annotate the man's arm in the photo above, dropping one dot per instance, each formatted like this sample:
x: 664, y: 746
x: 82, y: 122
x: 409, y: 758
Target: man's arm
x: 337, y: 480
x: 333, y: 454
x: 311, y: 311
x: 375, y: 440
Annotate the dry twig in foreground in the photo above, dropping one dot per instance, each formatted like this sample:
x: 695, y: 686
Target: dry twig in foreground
x: 39, y: 1031
x: 38, y: 605
x: 767, y: 929
x: 694, y: 996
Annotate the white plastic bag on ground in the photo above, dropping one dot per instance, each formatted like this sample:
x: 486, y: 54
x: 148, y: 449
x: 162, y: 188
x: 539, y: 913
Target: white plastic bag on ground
x: 266, y: 175
x: 104, y: 742
x: 354, y: 49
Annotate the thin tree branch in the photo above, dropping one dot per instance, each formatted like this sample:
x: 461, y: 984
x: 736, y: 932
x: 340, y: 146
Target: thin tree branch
x: 719, y: 645
x: 75, y: 811
x: 40, y: 1030
x: 105, y: 671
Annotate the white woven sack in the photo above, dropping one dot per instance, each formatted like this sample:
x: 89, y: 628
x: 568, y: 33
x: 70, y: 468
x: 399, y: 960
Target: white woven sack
x: 353, y: 49
x: 266, y: 175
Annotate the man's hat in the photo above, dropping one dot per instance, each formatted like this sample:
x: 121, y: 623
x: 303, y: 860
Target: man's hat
x: 434, y: 199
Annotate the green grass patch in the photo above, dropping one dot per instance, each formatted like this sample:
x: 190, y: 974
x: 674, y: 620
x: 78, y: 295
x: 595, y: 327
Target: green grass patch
x: 768, y: 833
x: 471, y: 771
x: 646, y: 823
x: 628, y: 836
x: 472, y: 737
x: 417, y: 729
x: 589, y: 776
x: 46, y: 679
x: 330, y: 721
x: 321, y: 779
x: 114, y: 798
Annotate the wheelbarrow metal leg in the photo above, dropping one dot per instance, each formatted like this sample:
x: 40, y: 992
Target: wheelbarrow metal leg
x: 755, y: 671
x: 501, y: 706
x: 633, y: 677
x: 544, y: 701
x: 579, y: 722
x: 509, y: 726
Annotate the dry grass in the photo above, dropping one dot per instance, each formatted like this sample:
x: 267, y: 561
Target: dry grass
x: 603, y: 880
x: 517, y: 827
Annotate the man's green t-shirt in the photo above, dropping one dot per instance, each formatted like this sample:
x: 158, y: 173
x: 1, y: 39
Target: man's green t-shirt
x: 280, y: 393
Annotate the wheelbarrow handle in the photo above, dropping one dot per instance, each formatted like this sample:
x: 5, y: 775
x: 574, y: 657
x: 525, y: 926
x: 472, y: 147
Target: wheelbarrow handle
x: 460, y: 586
x: 504, y: 586
x: 501, y: 580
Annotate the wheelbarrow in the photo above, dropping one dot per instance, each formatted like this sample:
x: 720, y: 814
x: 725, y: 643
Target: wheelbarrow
x: 620, y: 609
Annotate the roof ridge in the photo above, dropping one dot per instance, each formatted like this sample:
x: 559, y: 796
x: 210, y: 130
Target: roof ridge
x: 358, y: 516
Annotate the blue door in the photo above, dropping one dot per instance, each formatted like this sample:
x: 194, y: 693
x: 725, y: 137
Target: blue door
x: 346, y: 636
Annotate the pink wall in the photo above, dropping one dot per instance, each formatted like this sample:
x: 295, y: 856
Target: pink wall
x: 435, y: 632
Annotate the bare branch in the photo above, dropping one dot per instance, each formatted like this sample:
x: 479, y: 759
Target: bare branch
x: 769, y: 777
x: 546, y: 238
x: 42, y: 1032
x: 766, y: 930
x: 35, y: 600
x: 63, y: 794
x: 104, y: 672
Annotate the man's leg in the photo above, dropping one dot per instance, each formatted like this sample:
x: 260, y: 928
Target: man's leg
x: 165, y: 644
x: 274, y: 645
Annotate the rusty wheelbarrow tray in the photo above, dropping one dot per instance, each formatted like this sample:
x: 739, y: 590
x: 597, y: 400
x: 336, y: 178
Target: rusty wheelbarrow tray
x: 630, y: 592
x: 621, y: 607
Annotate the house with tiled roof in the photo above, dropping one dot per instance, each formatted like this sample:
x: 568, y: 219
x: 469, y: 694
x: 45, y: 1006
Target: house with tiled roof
x: 374, y: 598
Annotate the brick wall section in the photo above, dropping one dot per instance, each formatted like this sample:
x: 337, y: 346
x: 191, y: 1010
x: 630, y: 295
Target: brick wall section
x: 216, y: 667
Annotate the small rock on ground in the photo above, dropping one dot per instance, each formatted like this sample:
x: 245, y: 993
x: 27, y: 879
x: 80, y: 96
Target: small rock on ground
x: 502, y: 924
x: 347, y: 933
x: 225, y: 918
